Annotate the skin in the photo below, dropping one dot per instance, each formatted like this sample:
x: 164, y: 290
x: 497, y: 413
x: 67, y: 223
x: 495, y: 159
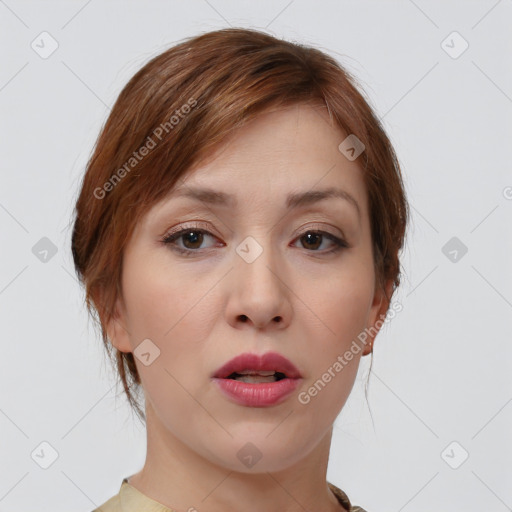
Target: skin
x: 192, y: 309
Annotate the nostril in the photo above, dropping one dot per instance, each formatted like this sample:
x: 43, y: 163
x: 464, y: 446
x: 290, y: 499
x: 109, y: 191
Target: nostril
x: 244, y: 318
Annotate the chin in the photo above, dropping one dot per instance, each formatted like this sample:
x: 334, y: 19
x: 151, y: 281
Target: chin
x: 253, y: 453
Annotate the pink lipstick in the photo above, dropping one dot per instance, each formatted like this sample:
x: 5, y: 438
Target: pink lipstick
x: 258, y: 381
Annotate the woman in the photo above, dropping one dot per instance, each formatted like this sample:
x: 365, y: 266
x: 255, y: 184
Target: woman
x: 238, y: 232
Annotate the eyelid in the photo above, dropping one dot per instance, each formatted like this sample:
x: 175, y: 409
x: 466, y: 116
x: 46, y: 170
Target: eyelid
x: 316, y: 226
x: 196, y: 224
x: 339, y: 241
x: 191, y: 224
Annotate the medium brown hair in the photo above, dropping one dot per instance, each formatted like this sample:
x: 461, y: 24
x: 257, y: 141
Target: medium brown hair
x: 180, y: 107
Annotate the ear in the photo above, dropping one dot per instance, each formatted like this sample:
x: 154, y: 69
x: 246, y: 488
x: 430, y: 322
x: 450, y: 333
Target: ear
x: 116, y: 330
x: 377, y: 315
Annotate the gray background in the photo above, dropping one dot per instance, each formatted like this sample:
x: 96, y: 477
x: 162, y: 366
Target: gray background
x: 442, y: 366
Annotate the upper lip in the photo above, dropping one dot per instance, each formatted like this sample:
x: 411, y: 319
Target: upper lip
x: 271, y: 361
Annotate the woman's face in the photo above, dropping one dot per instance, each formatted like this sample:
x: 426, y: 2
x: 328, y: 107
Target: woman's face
x: 252, y: 275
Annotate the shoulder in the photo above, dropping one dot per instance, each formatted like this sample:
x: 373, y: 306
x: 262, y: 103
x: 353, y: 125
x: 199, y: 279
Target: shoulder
x: 344, y: 499
x: 111, y: 505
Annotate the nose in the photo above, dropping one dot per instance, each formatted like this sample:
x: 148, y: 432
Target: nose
x: 257, y: 292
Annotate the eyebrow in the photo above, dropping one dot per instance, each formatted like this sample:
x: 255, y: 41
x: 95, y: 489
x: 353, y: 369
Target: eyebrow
x: 293, y: 200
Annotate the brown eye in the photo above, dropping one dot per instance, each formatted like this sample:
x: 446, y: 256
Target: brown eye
x: 312, y: 240
x: 192, y: 239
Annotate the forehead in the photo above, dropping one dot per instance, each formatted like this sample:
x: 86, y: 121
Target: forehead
x: 288, y: 133
x: 289, y: 155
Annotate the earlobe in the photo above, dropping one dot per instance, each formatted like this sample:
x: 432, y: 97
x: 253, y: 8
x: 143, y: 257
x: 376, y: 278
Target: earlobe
x: 116, y: 330
x: 378, y: 311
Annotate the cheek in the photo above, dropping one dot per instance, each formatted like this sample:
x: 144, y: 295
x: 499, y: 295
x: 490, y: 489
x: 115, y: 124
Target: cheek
x: 174, y: 310
x: 158, y: 299
x: 343, y: 302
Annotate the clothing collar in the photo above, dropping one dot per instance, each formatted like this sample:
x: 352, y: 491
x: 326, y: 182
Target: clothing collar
x: 132, y: 499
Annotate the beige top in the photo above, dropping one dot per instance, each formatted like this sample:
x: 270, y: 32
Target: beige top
x: 130, y: 499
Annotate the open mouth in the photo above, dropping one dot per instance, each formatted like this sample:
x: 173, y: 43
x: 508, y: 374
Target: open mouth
x: 256, y: 377
x: 253, y: 380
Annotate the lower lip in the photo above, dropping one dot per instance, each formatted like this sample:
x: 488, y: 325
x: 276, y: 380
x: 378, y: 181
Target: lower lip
x: 257, y: 394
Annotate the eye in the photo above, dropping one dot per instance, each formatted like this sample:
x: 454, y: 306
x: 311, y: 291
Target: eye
x: 193, y: 238
x: 314, y: 239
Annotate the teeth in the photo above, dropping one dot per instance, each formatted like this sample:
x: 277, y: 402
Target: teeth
x: 254, y: 379
x: 253, y: 372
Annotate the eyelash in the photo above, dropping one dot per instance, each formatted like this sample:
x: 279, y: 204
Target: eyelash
x: 171, y: 238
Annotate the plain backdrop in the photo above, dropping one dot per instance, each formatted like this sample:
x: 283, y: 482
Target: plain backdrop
x: 436, y: 431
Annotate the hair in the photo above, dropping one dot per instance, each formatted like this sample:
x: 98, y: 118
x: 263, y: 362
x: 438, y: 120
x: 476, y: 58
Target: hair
x: 199, y: 92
